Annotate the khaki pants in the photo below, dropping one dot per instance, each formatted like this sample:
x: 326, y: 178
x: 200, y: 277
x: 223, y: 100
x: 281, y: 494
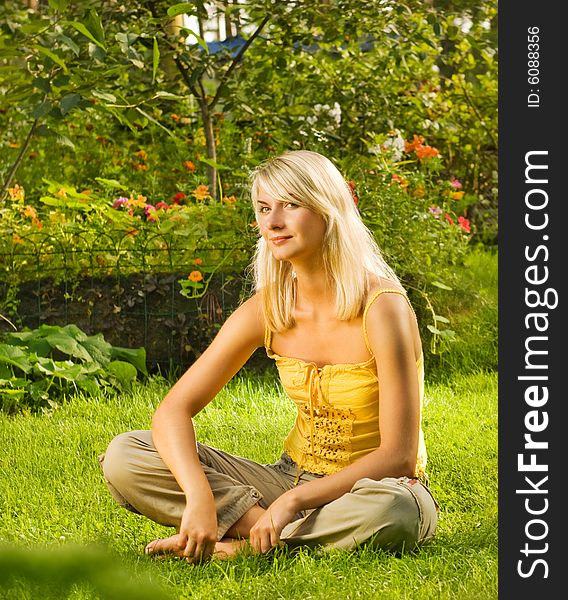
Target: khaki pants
x: 392, y: 514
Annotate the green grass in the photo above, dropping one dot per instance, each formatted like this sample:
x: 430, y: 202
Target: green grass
x: 471, y: 306
x: 54, y: 503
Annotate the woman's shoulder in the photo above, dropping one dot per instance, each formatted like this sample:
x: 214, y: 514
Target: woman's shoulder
x: 249, y: 317
x: 380, y: 286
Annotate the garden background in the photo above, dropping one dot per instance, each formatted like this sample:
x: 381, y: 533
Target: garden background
x: 127, y: 134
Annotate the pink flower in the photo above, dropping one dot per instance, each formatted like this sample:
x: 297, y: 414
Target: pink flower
x: 149, y: 211
x: 436, y: 211
x: 464, y: 224
x: 119, y: 202
x: 456, y: 184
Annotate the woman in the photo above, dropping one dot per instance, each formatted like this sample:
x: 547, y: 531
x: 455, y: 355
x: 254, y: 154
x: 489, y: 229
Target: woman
x: 337, y: 322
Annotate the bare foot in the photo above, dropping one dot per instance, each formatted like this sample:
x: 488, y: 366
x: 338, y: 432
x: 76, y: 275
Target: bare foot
x: 170, y: 545
x: 228, y: 548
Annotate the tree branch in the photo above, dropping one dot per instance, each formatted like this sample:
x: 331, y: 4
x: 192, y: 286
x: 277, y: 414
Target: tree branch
x: 18, y: 160
x: 236, y: 61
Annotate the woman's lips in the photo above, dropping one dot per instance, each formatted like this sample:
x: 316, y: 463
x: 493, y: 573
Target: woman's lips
x: 280, y: 240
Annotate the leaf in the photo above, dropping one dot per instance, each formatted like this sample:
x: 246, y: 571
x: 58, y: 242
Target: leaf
x: 167, y: 95
x: 15, y: 356
x: 448, y: 334
x: 213, y: 164
x: 67, y: 369
x: 68, y: 345
x: 98, y: 348
x: 156, y: 122
x: 67, y: 41
x: 104, y: 96
x: 441, y: 285
x: 82, y: 29
x: 52, y: 56
x: 42, y: 84
x: 68, y: 102
x: 183, y: 8
x: 110, y: 183
x: 42, y: 109
x: 94, y: 25
x: 135, y: 356
x: 123, y: 371
x: 433, y: 329
x: 199, y: 39
x: 441, y: 319
x: 59, y: 5
x: 155, y: 59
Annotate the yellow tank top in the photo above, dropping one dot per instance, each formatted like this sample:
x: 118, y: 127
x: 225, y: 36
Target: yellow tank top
x: 338, y: 408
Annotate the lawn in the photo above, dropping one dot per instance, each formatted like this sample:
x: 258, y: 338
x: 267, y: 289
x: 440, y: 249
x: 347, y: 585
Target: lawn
x: 60, y: 523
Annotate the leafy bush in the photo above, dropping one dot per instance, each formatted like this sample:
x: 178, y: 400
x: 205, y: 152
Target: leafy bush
x: 41, y: 366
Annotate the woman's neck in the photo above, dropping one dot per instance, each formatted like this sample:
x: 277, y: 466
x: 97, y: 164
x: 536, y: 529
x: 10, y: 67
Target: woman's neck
x: 315, y: 292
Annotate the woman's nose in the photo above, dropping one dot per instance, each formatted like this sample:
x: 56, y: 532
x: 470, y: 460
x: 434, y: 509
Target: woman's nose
x: 275, y: 219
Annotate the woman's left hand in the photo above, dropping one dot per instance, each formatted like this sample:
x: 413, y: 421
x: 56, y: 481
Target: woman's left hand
x: 265, y: 533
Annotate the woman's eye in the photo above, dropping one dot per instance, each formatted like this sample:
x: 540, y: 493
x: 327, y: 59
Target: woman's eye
x: 263, y: 209
x: 292, y: 204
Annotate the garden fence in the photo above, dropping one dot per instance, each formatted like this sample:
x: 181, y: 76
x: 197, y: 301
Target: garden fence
x: 125, y: 285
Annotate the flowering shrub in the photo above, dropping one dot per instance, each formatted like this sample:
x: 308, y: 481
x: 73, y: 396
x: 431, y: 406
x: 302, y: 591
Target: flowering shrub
x: 72, y: 234
x: 419, y: 216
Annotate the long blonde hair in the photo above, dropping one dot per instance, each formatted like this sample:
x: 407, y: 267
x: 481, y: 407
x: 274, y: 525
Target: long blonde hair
x: 350, y: 254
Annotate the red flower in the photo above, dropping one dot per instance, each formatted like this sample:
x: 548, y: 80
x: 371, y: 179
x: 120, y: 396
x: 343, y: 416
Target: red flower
x: 353, y: 189
x: 464, y: 224
x: 448, y: 218
x: 178, y: 198
x: 162, y: 205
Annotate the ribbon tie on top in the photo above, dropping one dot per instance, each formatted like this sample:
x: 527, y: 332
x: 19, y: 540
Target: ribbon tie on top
x: 315, y: 394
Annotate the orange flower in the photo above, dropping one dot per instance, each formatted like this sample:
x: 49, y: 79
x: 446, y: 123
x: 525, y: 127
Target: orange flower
x: 416, y: 143
x: 61, y: 193
x: 16, y: 239
x: 400, y: 179
x: 189, y: 166
x: 139, y: 166
x: 13, y: 145
x: 175, y: 117
x: 141, y: 154
x: 198, y: 261
x: 30, y: 211
x: 201, y: 192
x: 229, y: 200
x: 423, y: 152
x: 195, y: 276
x: 17, y: 193
x: 456, y: 195
x: 37, y: 223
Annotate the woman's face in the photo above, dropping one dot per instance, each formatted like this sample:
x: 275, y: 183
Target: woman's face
x: 292, y: 232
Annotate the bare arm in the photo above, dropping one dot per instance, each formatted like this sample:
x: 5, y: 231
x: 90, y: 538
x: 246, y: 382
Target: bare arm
x: 172, y: 426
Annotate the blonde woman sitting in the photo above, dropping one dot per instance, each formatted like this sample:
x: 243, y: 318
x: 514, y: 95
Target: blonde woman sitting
x: 338, y: 324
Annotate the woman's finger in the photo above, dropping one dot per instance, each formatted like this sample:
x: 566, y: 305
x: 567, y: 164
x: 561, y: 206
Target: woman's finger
x: 189, y: 550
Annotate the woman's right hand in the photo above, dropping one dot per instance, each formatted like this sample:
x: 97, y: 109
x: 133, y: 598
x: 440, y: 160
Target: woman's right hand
x: 198, y: 529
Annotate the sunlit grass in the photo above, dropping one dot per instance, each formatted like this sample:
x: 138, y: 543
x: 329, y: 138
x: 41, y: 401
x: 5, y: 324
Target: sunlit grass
x: 52, y: 495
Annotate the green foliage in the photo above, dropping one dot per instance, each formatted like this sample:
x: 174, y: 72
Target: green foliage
x: 55, y: 572
x: 142, y: 111
x: 43, y: 366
